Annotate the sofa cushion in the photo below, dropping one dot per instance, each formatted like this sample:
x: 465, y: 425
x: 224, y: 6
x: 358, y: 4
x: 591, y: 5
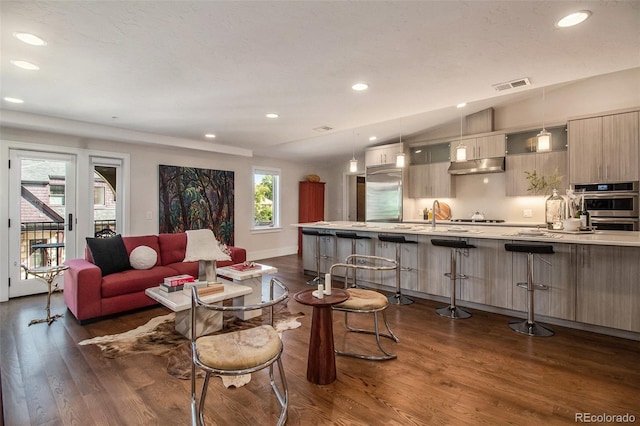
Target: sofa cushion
x: 109, y: 254
x: 143, y: 257
x: 172, y: 247
x: 134, y: 280
x: 145, y: 240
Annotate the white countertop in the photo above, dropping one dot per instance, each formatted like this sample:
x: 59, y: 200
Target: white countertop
x: 454, y: 229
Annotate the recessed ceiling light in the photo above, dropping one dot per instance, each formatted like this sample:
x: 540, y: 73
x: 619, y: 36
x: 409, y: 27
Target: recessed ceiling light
x: 373, y: 138
x: 31, y: 39
x: 14, y: 100
x: 573, y: 19
x: 272, y: 115
x: 461, y: 105
x: 210, y: 136
x: 360, y: 86
x: 25, y: 65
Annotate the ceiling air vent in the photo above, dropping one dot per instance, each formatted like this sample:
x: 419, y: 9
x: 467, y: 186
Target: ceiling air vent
x: 322, y: 128
x: 512, y: 84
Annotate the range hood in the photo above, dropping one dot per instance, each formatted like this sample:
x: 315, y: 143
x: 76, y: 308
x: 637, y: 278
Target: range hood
x: 470, y: 167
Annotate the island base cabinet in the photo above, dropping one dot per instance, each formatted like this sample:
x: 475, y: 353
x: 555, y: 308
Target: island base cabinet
x: 409, y: 265
x: 557, y: 272
x: 487, y: 273
x: 327, y: 253
x: 343, y: 250
x: 608, y: 286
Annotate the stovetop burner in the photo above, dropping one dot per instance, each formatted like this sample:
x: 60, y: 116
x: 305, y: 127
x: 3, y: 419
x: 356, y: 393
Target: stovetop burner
x: 479, y: 220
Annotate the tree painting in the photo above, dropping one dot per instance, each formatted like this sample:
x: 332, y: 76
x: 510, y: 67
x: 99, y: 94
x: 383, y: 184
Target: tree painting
x: 192, y: 198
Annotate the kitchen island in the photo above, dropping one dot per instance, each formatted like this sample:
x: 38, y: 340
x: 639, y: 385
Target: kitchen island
x: 593, y: 278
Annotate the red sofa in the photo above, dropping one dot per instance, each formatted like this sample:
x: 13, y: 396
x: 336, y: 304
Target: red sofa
x: 89, y: 295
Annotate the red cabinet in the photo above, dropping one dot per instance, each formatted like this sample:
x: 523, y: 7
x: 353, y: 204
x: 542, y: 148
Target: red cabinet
x: 311, y: 205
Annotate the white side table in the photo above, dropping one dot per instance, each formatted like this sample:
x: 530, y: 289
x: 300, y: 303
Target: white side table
x: 251, y: 277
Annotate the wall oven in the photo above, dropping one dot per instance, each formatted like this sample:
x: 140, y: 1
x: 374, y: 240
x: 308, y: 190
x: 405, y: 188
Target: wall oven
x: 612, y: 206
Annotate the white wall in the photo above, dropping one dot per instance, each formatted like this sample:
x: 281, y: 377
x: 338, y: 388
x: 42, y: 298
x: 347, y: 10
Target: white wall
x: 145, y: 160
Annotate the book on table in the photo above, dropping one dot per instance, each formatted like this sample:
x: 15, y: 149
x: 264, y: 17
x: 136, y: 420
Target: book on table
x: 210, y: 288
x: 245, y: 266
x: 170, y: 288
x: 178, y: 280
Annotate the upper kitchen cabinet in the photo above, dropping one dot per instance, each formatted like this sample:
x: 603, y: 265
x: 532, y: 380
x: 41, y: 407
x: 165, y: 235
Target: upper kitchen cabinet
x: 481, y: 147
x: 604, y: 149
x: 431, y: 180
x: 521, y: 157
x: 382, y: 155
x: 427, y: 154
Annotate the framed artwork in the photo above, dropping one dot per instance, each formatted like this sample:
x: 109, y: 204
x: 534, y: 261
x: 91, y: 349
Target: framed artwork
x: 192, y: 198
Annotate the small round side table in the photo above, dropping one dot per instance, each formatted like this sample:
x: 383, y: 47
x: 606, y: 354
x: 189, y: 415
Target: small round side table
x: 321, y: 363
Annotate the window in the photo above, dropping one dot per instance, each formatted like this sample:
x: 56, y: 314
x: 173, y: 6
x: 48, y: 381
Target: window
x: 56, y: 195
x: 98, y: 196
x: 266, y: 198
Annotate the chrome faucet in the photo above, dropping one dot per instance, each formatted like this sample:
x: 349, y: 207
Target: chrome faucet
x: 436, y: 203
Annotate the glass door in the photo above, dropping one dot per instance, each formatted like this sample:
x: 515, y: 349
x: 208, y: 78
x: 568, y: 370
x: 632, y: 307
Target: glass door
x: 42, y: 199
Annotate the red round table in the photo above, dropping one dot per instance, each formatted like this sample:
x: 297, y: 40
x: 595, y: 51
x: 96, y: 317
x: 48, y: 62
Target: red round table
x: 321, y: 363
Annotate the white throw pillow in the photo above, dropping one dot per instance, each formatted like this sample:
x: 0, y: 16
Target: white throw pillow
x: 143, y: 257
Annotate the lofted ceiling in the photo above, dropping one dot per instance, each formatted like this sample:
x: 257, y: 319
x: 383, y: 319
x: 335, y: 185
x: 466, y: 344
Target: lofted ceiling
x: 170, y: 71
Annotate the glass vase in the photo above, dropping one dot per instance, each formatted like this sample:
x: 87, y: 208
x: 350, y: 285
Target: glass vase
x: 555, y: 211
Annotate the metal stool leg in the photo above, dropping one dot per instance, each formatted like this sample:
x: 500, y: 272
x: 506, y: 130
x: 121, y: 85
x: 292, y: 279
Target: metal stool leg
x: 452, y: 311
x: 529, y: 326
x: 318, y: 279
x: 398, y: 298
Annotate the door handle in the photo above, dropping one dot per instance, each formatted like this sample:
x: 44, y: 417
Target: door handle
x: 70, y: 222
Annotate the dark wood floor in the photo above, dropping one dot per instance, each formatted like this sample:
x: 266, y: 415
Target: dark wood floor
x: 474, y: 371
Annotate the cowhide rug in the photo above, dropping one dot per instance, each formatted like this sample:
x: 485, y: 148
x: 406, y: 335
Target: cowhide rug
x: 159, y: 337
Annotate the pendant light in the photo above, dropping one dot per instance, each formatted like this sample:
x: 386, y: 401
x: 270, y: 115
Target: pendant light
x: 544, y: 137
x: 400, y: 156
x: 353, y: 163
x: 461, y: 149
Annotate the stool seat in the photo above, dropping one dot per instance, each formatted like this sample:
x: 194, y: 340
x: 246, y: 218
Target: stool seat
x: 458, y: 244
x: 310, y: 232
x: 395, y: 239
x: 352, y: 236
x: 529, y: 248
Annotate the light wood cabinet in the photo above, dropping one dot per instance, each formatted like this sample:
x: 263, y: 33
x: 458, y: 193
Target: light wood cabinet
x: 608, y: 287
x: 343, y: 249
x: 557, y: 271
x: 481, y: 147
x: 604, y: 149
x: 431, y: 180
x: 382, y: 155
x: 409, y: 265
x: 544, y: 163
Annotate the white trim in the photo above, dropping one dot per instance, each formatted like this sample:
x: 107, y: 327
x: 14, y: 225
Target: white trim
x: 277, y: 209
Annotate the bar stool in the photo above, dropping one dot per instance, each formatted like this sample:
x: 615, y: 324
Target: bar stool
x: 318, y: 234
x: 398, y: 240
x: 353, y: 237
x: 452, y: 311
x: 529, y: 326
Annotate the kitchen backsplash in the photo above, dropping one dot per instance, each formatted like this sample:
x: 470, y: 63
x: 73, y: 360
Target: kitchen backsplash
x: 484, y: 193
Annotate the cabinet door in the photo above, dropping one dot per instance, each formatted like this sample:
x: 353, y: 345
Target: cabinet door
x: 442, y: 184
x: 490, y: 146
x: 607, y: 286
x: 435, y: 263
x: 419, y: 181
x: 470, y: 143
x: 489, y: 276
x: 386, y: 250
x: 516, y: 180
x: 557, y: 271
x: 620, y: 147
x: 585, y: 150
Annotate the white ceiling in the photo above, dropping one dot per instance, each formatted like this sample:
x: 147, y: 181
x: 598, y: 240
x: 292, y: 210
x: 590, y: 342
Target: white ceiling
x: 171, y: 71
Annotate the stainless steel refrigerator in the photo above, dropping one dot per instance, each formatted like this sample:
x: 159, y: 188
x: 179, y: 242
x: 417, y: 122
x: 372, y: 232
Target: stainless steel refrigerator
x: 383, y: 194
